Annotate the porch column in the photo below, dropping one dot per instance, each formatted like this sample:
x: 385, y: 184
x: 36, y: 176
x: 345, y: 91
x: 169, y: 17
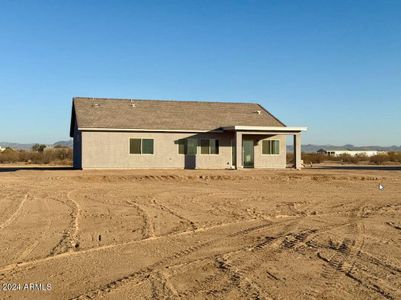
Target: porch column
x: 297, y: 151
x: 238, y: 150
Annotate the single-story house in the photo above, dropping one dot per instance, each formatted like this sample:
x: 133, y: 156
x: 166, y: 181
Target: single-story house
x: 134, y: 133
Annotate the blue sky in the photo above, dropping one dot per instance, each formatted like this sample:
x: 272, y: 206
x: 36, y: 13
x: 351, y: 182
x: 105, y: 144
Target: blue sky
x: 334, y: 66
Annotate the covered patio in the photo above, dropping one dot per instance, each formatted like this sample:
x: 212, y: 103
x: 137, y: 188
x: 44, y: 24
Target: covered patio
x: 241, y: 131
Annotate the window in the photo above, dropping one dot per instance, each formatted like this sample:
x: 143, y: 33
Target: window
x: 214, y: 146
x: 192, y: 144
x: 271, y: 147
x: 147, y: 146
x: 182, y: 146
x: 187, y: 146
x: 205, y: 146
x: 210, y: 146
x: 141, y: 146
x: 135, y: 146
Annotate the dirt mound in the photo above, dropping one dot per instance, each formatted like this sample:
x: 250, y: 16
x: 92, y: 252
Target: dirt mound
x: 232, y: 178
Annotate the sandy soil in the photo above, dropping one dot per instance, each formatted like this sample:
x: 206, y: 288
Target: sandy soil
x: 311, y: 234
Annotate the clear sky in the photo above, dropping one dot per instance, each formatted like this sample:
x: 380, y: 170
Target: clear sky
x: 334, y: 66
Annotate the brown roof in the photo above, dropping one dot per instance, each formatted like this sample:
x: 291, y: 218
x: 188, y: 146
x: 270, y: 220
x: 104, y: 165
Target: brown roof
x: 167, y: 114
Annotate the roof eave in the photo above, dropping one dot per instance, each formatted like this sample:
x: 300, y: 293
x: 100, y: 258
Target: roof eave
x: 266, y: 128
x: 147, y: 130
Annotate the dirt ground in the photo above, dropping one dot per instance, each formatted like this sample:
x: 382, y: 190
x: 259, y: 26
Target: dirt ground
x: 310, y: 234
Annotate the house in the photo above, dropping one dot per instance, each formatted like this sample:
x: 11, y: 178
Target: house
x: 134, y: 133
x: 336, y: 153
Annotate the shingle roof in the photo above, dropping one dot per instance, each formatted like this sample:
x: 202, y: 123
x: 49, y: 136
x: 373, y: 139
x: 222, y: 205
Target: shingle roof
x: 167, y: 114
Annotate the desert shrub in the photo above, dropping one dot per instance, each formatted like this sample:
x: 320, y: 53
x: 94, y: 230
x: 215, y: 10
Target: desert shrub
x: 346, y: 158
x: 8, y: 156
x: 394, y: 156
x: 308, y: 158
x: 60, y: 146
x: 59, y: 154
x: 38, y: 147
x: 379, y: 159
x: 54, y: 156
x: 314, y: 158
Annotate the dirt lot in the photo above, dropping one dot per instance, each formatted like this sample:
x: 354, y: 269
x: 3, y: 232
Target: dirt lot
x: 308, y: 234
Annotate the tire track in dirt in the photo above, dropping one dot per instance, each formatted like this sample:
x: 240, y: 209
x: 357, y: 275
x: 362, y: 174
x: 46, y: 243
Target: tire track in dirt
x: 161, y: 287
x: 238, y: 274
x: 291, y: 241
x: 244, y: 269
x: 69, y: 241
x: 28, y: 251
x: 248, y: 288
x: 76, y: 218
x: 345, y: 259
x: 30, y: 264
x: 20, y: 265
x: 148, y: 230
x: 13, y: 268
x: 163, y: 207
x: 394, y: 225
x: 33, y: 246
x: 334, y: 265
x: 349, y: 255
x: 111, y: 246
x: 138, y: 276
x: 15, y: 215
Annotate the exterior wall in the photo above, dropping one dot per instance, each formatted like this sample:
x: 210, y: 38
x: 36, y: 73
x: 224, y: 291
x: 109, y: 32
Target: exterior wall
x: 275, y: 161
x: 102, y: 150
x: 111, y: 150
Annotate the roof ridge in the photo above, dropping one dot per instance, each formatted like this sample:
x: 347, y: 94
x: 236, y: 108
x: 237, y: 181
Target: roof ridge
x: 165, y: 100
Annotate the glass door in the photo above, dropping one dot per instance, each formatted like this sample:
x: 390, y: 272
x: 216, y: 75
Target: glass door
x: 248, y: 153
x: 233, y: 154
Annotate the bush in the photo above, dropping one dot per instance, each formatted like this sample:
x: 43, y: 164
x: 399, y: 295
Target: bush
x: 379, y: 159
x: 316, y: 158
x: 394, y: 156
x: 8, y: 155
x: 38, y: 147
x: 313, y: 158
x: 53, y: 156
x: 346, y: 158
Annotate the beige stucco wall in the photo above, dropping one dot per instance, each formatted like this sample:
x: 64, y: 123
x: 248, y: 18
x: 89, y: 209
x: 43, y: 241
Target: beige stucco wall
x: 276, y: 161
x: 111, y: 150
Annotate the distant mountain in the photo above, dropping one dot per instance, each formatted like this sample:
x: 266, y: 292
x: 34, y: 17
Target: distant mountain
x: 68, y: 143
x: 16, y: 145
x: 29, y: 146
x: 309, y: 148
